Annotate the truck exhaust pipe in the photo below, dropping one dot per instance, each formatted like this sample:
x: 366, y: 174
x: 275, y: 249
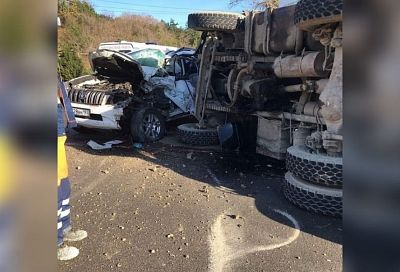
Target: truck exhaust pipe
x: 307, y: 65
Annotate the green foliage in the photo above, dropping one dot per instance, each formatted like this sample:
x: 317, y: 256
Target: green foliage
x: 85, y: 7
x: 192, y: 37
x: 75, y: 7
x: 189, y: 36
x: 69, y: 64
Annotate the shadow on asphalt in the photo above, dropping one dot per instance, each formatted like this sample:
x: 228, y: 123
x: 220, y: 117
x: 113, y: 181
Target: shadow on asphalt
x: 253, y: 176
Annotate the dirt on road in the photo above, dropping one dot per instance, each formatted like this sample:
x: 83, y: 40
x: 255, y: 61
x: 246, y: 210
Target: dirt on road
x: 172, y: 208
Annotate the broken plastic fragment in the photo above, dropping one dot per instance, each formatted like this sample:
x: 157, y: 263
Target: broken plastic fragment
x: 106, y: 145
x: 137, y: 145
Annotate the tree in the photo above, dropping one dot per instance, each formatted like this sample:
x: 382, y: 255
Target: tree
x: 257, y: 4
x: 69, y: 64
x: 172, y: 25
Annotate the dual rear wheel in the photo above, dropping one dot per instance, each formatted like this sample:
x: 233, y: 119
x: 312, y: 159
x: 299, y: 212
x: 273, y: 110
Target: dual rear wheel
x: 314, y: 181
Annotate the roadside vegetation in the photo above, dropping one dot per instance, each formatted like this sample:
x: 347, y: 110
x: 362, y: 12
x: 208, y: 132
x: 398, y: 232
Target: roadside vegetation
x: 83, y: 30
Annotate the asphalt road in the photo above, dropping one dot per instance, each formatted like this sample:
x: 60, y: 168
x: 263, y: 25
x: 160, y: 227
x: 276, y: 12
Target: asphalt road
x: 169, y: 208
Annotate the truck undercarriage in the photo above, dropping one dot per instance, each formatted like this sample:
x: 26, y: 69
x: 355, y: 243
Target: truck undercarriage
x: 284, y: 67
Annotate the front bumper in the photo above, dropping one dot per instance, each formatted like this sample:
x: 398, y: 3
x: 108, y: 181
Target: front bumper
x: 101, y: 117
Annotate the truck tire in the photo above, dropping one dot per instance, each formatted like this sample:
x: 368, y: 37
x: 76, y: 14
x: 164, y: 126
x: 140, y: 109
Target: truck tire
x: 191, y: 134
x: 317, y: 199
x: 311, y: 13
x: 147, y: 125
x: 216, y: 21
x: 315, y: 168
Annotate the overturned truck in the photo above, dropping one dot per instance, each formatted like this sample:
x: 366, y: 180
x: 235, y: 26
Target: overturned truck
x: 283, y: 68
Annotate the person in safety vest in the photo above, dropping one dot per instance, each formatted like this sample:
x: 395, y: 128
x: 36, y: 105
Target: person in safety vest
x: 7, y: 194
x: 64, y: 230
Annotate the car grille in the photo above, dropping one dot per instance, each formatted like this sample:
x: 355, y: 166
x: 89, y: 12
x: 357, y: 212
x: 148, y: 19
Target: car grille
x: 86, y: 96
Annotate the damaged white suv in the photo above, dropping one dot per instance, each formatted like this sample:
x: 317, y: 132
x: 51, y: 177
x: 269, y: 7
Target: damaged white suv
x: 136, y: 92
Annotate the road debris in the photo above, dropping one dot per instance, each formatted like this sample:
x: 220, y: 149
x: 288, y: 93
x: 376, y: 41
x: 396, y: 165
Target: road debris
x: 235, y: 216
x: 107, y: 145
x: 137, y: 145
x: 204, y: 189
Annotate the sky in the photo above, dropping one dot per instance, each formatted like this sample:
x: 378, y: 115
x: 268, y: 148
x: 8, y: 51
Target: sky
x: 167, y: 9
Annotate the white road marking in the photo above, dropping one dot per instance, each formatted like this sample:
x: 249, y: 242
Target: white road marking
x: 218, y: 246
x: 291, y: 239
x: 221, y: 253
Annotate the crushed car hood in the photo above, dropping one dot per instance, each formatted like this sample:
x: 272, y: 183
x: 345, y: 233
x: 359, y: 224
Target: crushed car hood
x: 117, y: 66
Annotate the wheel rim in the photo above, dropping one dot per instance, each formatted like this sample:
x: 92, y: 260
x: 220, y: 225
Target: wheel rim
x: 151, y: 126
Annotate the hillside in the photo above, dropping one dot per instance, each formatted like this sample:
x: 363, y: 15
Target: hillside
x: 83, y: 29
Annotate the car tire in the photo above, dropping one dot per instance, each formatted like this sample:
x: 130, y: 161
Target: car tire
x: 193, y: 135
x: 216, y: 21
x: 317, y: 199
x: 147, y: 125
x: 315, y: 168
x: 311, y: 13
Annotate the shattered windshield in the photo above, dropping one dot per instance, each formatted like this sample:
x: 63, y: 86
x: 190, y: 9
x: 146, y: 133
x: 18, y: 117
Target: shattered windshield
x: 149, y: 57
